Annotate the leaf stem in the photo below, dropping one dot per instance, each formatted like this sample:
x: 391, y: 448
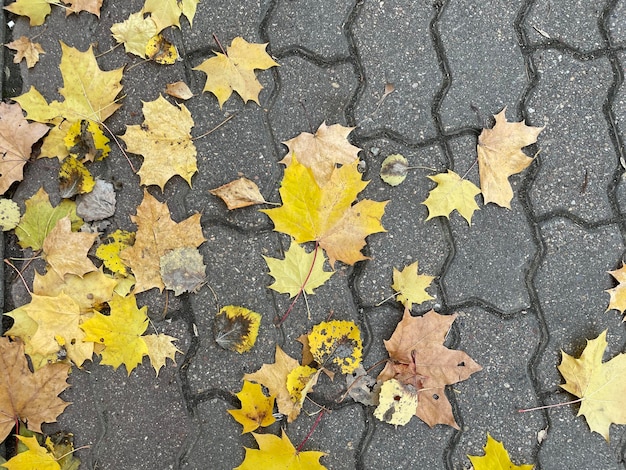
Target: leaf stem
x: 19, y: 274
x: 555, y: 405
x: 219, y: 44
x: 470, y: 169
x: 317, y: 421
x: 215, y: 128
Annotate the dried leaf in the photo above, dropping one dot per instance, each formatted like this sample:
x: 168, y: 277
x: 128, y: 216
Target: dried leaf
x: 183, y: 270
x: 452, y: 192
x: 394, y: 169
x: 239, y: 193
x: 618, y: 293
x: 179, y: 90
x: 66, y: 251
x: 86, y: 141
x: 361, y: 387
x: 234, y: 71
x: 256, y: 409
x: 236, y: 328
x: 36, y: 457
x: 500, y: 156
x: 160, y: 348
x: 26, y: 49
x: 109, y: 251
x: 76, y: 6
x: 300, y: 381
x: 168, y: 12
x: 337, y: 343
x: 99, y: 204
x: 410, y: 286
x: 496, y: 456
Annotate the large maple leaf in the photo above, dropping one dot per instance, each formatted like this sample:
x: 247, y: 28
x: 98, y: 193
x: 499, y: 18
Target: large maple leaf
x: 326, y: 214
x: 496, y: 457
x: 323, y: 150
x: 157, y: 234
x: 500, y: 156
x: 278, y: 453
x: 600, y: 385
x: 17, y: 137
x: 164, y: 139
x: 234, y: 71
x: 27, y: 396
x: 418, y: 357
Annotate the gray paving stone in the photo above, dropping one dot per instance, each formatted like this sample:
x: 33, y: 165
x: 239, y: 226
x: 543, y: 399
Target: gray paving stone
x: 575, y: 146
x: 617, y: 24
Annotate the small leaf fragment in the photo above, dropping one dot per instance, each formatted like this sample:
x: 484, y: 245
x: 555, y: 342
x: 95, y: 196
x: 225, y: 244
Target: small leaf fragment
x: 452, y: 192
x: 109, y: 251
x: 618, y: 293
x: 337, y: 342
x: 179, y: 90
x: 9, y: 214
x: 397, y: 402
x: 411, y: 286
x: 161, y: 50
x: 496, y: 456
x: 361, y: 387
x: 256, y: 409
x: 74, y: 178
x: 182, y: 269
x: 394, y: 169
x: 236, y: 328
x: 300, y: 381
x: 239, y: 193
x: 86, y: 141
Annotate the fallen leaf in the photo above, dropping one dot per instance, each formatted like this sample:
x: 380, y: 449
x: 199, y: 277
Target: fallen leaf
x: 239, y: 193
x: 86, y: 141
x: 157, y: 234
x: 299, y: 271
x: 397, y: 402
x: 99, y: 204
x: 618, y: 293
x: 274, y: 378
x: 160, y: 348
x: 300, y: 381
x: 256, y: 409
x: 322, y: 151
x: 600, y: 385
x: 167, y: 12
x: 161, y: 50
x: 236, y: 328
x: 496, y: 456
x: 410, y: 286
x: 66, y: 251
x: 119, y: 333
x: 35, y: 10
x: 109, y: 251
x: 26, y: 49
x: 61, y: 444
x: 74, y: 178
x: 361, y: 387
x: 277, y: 453
x: 17, y: 137
x: 500, y: 156
x: 179, y: 90
x: 394, y: 169
x: 234, y: 71
x: 76, y: 6
x: 182, y: 270
x: 166, y: 126
x: 9, y: 214
x: 337, y: 343
x: 134, y: 33
x: 326, y: 214
x: 36, y: 457
x: 31, y: 397
x: 40, y: 218
x: 452, y: 192
x: 418, y: 357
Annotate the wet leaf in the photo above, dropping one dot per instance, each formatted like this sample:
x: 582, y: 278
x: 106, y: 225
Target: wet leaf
x: 74, y: 178
x: 161, y: 50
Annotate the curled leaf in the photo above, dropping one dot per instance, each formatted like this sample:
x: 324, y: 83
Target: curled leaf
x: 394, y: 169
x: 241, y: 192
x: 236, y: 328
x: 178, y: 90
x: 109, y: 251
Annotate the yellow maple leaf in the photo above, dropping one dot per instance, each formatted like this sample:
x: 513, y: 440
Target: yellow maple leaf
x: 134, y: 33
x: 236, y: 328
x: 618, y: 293
x: 36, y: 457
x: 17, y: 137
x: 167, y: 12
x: 234, y: 71
x: 109, y: 251
x: 160, y: 348
x: 326, y: 214
x: 410, y: 286
x: 40, y: 218
x: 600, y: 385
x: 452, y: 192
x: 323, y: 150
x: 496, y: 456
x: 337, y: 342
x: 239, y: 193
x: 274, y: 378
x: 500, y: 156
x: 66, y: 251
x: 166, y: 126
x: 299, y: 271
x: 278, y: 453
x: 256, y: 409
x: 36, y: 10
x: 120, y: 332
x: 26, y: 49
x: 156, y: 234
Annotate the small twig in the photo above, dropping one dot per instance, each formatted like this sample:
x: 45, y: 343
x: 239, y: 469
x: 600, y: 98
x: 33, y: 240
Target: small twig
x: 215, y: 128
x: 132, y: 167
x: 469, y: 169
x: 141, y: 62
x: 385, y: 300
x: 109, y: 50
x: 317, y: 421
x: 19, y: 274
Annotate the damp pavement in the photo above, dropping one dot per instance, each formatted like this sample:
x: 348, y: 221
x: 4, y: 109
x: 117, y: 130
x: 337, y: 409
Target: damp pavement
x: 526, y: 282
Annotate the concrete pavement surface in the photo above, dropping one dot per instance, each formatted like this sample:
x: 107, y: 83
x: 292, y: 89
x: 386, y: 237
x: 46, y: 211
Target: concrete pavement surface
x: 527, y: 282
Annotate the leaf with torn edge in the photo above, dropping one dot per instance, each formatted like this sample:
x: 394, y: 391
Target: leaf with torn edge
x: 337, y: 344
x: 160, y: 348
x: 239, y: 193
x: 74, y: 178
x: 618, y: 293
x: 161, y: 50
x: 500, y: 156
x: 256, y: 408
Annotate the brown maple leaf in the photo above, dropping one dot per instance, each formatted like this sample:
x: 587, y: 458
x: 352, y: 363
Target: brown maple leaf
x: 323, y: 150
x: 66, y: 251
x: 26, y: 49
x: 157, y: 234
x: 500, y: 156
x: 30, y: 397
x: 418, y: 357
x: 76, y: 6
x: 17, y: 137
